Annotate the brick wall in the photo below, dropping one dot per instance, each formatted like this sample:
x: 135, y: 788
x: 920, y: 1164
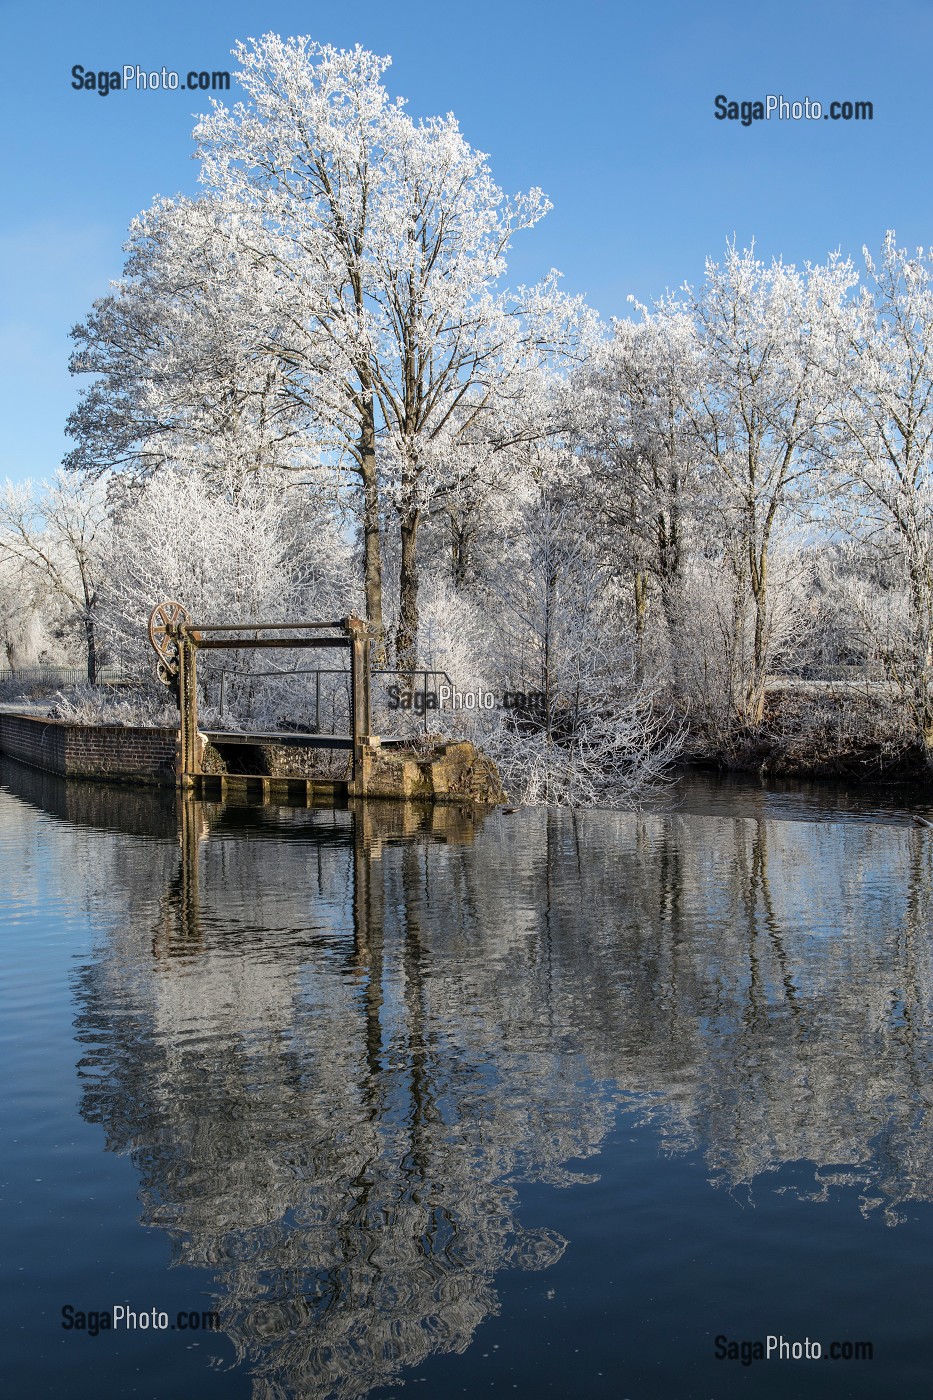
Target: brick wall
x: 40, y: 743
x: 108, y: 753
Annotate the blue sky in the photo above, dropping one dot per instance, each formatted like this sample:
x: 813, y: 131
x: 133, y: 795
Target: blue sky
x: 607, y: 106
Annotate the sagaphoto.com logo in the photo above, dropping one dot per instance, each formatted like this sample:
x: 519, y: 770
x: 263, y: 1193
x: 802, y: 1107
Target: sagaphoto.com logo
x: 448, y: 697
x: 776, y: 107
x: 131, y: 77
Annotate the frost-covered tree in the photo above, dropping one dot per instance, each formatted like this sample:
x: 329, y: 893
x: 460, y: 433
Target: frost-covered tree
x: 587, y: 732
x: 883, y: 452
x: 765, y: 393
x: 303, y: 160
x: 180, y: 351
x: 388, y: 241
x: 57, y: 533
x: 334, y: 297
x: 239, y: 550
x: 640, y: 452
x: 29, y: 615
x: 255, y: 548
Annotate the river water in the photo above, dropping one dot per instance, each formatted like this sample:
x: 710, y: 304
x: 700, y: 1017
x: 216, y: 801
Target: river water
x: 444, y: 1104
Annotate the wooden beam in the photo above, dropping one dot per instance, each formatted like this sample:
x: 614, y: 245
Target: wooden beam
x: 256, y: 626
x: 249, y: 643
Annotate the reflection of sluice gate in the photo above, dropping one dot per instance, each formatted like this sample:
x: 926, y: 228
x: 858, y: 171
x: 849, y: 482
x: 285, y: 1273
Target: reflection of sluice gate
x: 348, y: 1237
x: 367, y: 827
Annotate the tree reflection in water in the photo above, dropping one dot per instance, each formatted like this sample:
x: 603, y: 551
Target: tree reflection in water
x: 336, y: 1043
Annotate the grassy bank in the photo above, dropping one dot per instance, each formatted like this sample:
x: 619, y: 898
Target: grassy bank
x: 825, y: 732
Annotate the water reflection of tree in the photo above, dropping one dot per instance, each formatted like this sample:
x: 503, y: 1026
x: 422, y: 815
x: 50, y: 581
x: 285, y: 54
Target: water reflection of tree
x: 335, y: 1046
x: 772, y: 980
x: 300, y: 1098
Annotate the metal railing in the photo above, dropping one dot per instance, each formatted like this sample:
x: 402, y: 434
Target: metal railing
x: 315, y: 671
x: 318, y: 672
x: 60, y: 675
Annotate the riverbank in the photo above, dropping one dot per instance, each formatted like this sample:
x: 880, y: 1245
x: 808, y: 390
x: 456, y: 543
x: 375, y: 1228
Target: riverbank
x: 830, y: 734
x: 820, y: 732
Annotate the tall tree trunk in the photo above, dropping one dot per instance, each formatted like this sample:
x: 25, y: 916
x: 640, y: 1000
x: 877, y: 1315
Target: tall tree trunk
x: 406, y: 637
x: 738, y: 670
x: 547, y: 677
x: 755, y: 700
x: 372, y: 535
x: 90, y: 637
x: 672, y: 592
x: 920, y: 660
x: 461, y: 538
x: 640, y: 586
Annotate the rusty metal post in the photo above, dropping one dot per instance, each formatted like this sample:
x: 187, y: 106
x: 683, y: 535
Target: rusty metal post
x: 189, y: 744
x: 360, y: 716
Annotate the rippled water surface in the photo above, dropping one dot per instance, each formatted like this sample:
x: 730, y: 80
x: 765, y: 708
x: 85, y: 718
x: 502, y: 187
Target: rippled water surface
x: 516, y: 1103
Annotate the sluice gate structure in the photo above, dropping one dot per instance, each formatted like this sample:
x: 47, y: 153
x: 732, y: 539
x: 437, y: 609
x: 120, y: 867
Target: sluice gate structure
x: 177, y: 640
x: 239, y: 764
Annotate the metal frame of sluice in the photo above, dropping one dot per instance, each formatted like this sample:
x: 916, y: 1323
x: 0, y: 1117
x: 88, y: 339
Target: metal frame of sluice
x: 188, y: 638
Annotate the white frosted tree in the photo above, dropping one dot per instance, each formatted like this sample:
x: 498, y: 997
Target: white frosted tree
x: 334, y: 301
x: 637, y: 442
x: 179, y: 351
x: 245, y: 550
x: 389, y: 239
x: 241, y: 550
x: 883, y: 453
x: 28, y: 616
x: 587, y: 731
x: 764, y: 395
x: 57, y: 533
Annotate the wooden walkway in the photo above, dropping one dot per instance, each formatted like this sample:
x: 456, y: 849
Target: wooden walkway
x: 292, y: 738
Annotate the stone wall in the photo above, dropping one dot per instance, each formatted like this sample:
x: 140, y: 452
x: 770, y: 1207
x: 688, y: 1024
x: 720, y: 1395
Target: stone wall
x: 107, y: 753
x: 454, y: 772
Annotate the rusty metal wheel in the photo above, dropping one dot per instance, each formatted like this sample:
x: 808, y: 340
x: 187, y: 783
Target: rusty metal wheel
x: 166, y: 615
